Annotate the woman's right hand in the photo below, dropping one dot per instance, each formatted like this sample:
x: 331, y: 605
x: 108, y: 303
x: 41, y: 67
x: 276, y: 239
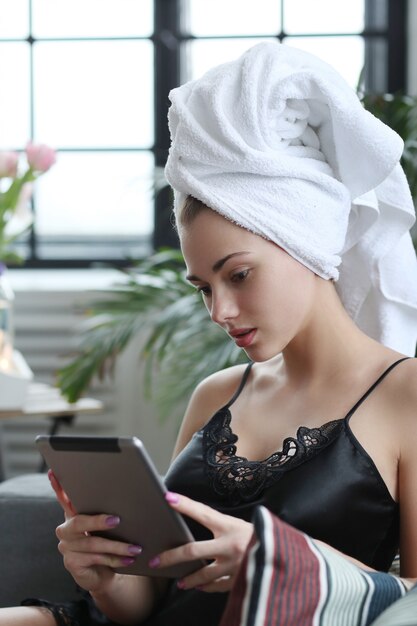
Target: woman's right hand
x: 89, y: 558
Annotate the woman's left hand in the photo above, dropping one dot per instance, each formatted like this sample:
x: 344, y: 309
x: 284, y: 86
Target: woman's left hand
x: 225, y: 550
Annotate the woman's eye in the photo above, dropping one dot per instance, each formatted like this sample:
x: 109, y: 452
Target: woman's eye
x: 240, y: 276
x: 204, y: 290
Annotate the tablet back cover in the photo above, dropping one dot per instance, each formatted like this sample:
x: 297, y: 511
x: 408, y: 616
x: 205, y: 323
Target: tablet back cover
x: 116, y: 476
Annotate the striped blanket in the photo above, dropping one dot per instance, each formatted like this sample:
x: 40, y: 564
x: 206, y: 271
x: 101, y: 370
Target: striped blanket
x: 287, y: 579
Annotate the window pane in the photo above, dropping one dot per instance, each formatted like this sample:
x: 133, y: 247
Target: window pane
x: 15, y: 95
x: 14, y: 18
x: 321, y: 16
x: 233, y: 17
x: 201, y: 55
x: 94, y: 93
x: 345, y: 54
x: 96, y: 194
x: 92, y: 18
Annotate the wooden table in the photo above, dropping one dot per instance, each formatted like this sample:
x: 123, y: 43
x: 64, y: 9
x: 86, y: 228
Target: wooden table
x: 46, y: 401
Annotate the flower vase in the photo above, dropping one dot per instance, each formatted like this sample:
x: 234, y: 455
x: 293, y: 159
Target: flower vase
x: 6, y: 318
x: 15, y: 374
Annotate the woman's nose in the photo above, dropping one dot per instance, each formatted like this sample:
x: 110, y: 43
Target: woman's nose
x: 223, y: 308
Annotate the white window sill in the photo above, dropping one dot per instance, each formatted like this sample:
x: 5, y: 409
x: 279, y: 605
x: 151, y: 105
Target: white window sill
x: 63, y: 280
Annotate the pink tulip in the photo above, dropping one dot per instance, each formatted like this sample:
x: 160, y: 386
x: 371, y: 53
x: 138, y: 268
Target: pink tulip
x: 8, y: 164
x: 40, y: 157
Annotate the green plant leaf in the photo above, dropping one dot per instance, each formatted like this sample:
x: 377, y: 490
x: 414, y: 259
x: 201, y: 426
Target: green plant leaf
x: 155, y: 301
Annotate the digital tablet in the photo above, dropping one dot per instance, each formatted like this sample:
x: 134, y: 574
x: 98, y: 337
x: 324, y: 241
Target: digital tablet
x: 116, y: 476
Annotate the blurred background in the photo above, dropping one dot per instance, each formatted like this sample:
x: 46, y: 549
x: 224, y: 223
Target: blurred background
x: 91, y: 79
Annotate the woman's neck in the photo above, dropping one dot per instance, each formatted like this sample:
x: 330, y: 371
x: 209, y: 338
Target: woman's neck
x: 330, y: 344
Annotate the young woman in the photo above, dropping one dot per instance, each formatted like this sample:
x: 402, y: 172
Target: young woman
x: 293, y: 214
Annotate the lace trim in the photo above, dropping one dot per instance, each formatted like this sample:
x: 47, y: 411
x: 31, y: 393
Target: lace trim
x: 64, y: 615
x: 242, y: 480
x: 75, y: 613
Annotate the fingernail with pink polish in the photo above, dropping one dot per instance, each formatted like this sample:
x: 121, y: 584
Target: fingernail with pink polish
x: 127, y: 560
x: 173, y: 498
x: 181, y: 584
x: 155, y: 562
x: 135, y: 550
x: 112, y: 520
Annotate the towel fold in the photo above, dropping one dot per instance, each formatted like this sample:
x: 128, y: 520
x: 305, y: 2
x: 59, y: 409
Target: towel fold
x: 278, y: 143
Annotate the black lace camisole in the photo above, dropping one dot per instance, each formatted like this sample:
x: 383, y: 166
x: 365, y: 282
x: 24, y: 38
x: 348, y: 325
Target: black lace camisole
x: 322, y: 481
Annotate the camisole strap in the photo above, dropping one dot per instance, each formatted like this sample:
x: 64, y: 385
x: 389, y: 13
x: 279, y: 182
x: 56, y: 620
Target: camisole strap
x: 241, y: 385
x: 372, y: 387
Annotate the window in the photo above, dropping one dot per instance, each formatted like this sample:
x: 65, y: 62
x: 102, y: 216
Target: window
x: 80, y: 78
x: 91, y: 79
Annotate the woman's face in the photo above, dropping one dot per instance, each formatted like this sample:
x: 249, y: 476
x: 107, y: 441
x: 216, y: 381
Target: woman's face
x: 253, y: 289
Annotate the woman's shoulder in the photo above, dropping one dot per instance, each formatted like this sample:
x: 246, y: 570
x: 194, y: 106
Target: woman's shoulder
x: 400, y: 399
x: 402, y: 384
x: 210, y: 395
x: 217, y: 389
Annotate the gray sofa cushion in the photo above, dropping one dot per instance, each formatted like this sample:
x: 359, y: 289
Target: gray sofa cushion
x: 30, y: 564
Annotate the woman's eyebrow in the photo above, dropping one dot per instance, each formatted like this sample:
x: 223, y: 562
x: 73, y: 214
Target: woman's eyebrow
x: 218, y: 264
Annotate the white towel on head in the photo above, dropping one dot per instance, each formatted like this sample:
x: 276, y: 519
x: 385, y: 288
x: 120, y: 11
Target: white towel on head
x: 278, y: 143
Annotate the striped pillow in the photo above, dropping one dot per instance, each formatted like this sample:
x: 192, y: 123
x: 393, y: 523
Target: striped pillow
x: 288, y: 580
x: 401, y: 613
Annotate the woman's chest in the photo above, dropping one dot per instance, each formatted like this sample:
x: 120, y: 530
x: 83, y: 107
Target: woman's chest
x: 331, y: 490
x: 263, y: 426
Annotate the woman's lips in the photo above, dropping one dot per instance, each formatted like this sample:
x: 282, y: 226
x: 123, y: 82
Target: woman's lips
x: 243, y: 337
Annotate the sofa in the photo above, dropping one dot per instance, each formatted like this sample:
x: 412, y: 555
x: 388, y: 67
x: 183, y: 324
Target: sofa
x: 30, y: 564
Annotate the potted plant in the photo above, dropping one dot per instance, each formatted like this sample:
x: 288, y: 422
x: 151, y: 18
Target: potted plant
x: 15, y: 219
